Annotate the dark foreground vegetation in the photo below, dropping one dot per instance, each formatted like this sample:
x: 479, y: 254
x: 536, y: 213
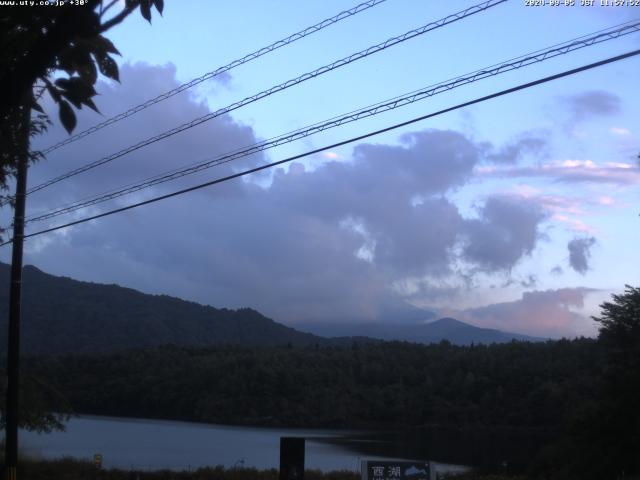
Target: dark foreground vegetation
x: 582, y: 395
x: 70, y: 469
x: 525, y: 385
x: 541, y: 390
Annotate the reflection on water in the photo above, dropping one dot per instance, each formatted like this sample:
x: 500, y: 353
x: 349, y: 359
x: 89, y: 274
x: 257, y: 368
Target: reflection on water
x: 158, y: 444
x: 488, y: 450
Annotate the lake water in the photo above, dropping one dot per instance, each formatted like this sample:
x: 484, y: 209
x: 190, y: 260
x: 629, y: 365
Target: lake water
x: 159, y: 444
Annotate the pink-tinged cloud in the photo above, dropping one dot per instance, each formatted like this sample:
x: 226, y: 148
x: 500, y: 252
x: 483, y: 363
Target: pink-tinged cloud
x: 573, y: 212
x: 573, y: 224
x: 540, y: 313
x: 570, y: 171
x: 559, y: 208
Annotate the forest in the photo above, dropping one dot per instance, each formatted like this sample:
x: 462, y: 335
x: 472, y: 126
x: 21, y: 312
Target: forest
x: 581, y: 395
x: 525, y: 385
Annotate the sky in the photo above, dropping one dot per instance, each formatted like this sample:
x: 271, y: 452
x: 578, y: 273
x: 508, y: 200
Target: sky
x: 519, y: 213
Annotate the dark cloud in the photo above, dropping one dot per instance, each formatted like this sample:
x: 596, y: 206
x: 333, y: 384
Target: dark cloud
x: 530, y: 282
x: 528, y: 143
x: 579, y: 253
x: 557, y: 270
x: 541, y: 313
x: 506, y: 230
x: 328, y: 243
x: 208, y: 140
x: 592, y: 103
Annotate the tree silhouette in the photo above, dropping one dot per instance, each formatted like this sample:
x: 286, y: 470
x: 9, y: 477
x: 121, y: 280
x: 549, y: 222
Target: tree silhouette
x: 38, y: 44
x: 56, y: 50
x: 619, y: 335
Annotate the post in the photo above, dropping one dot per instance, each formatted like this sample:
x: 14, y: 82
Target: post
x: 291, y: 458
x: 13, y: 350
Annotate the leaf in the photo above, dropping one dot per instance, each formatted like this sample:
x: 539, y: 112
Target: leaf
x: 159, y: 5
x: 67, y: 116
x: 53, y: 91
x: 89, y: 103
x: 89, y: 72
x: 62, y: 83
x: 108, y: 67
x: 36, y: 106
x: 145, y: 9
x: 77, y: 90
x: 83, y: 87
x: 76, y: 58
x: 104, y: 44
x: 74, y: 100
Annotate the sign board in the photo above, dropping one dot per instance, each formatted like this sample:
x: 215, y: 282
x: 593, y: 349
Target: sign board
x: 395, y: 470
x: 97, y: 460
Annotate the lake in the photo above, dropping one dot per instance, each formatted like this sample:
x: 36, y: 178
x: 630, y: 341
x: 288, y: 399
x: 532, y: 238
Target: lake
x: 159, y: 444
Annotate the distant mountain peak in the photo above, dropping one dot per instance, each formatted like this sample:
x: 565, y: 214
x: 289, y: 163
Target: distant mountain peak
x: 449, y: 321
x: 447, y: 328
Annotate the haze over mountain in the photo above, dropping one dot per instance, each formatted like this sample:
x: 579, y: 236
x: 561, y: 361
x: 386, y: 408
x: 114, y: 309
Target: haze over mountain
x: 450, y: 329
x: 65, y: 315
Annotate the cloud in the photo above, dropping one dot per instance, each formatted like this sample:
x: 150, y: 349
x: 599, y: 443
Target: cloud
x: 606, y: 200
x: 528, y: 143
x: 579, y: 253
x: 506, y: 231
x: 573, y: 224
x: 565, y: 209
x: 569, y: 171
x: 540, y: 313
x: 330, y: 243
x: 620, y: 131
x: 211, y: 139
x: 529, y: 282
x: 592, y: 103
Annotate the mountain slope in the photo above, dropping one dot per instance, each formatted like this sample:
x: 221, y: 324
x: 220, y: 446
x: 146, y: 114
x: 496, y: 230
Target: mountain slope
x: 65, y: 315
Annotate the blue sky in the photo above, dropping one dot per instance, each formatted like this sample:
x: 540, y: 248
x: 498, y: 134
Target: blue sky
x: 519, y: 213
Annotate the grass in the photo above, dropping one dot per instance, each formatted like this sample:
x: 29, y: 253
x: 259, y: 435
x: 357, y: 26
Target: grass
x: 73, y: 469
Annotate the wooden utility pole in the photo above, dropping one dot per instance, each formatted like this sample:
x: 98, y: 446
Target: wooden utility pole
x: 15, y: 290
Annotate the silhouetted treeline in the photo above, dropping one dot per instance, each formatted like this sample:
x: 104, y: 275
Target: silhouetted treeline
x: 533, y: 385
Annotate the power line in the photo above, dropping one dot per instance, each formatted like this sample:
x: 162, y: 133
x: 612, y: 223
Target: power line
x: 283, y: 86
x: 241, y: 61
x: 339, y: 144
x: 519, y: 62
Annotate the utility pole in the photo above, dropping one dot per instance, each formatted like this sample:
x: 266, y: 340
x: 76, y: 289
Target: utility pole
x: 15, y: 290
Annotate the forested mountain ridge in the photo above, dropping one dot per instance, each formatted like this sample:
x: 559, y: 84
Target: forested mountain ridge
x: 61, y: 315
x: 65, y: 315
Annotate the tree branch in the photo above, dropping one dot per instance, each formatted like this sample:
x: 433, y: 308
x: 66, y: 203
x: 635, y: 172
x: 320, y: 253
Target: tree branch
x: 104, y: 10
x: 117, y: 19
